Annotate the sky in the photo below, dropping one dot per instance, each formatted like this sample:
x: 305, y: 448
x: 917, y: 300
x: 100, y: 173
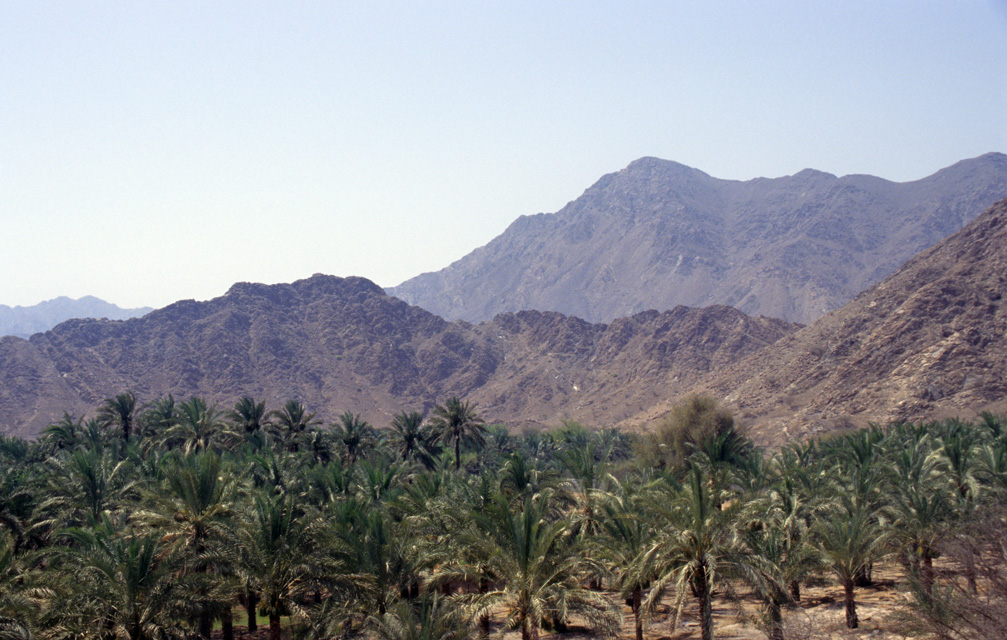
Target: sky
x: 158, y: 151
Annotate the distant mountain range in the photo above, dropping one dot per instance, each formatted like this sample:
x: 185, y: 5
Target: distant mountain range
x: 659, y: 234
x: 926, y: 342
x: 343, y: 344
x: 26, y: 321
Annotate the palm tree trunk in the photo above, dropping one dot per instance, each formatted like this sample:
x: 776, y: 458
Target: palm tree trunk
x: 227, y: 624
x: 970, y: 570
x: 851, y: 605
x: 529, y: 631
x: 274, y: 626
x: 795, y: 590
x: 705, y: 605
x: 205, y: 625
x: 775, y: 622
x: 637, y: 600
x: 927, y: 574
x: 251, y: 601
x: 484, y: 621
x: 458, y: 454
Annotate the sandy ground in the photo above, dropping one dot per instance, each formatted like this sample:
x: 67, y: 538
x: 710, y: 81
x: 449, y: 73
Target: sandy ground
x: 820, y: 616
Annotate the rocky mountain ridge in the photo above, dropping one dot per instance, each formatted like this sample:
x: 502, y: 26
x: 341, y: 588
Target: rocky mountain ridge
x: 659, y: 234
x: 342, y: 344
x: 927, y: 342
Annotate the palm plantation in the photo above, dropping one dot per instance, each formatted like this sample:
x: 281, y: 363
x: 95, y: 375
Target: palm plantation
x: 359, y: 531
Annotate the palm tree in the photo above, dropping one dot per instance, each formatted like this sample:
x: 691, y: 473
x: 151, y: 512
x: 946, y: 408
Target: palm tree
x: 961, y: 455
x: 291, y: 421
x: 116, y: 584
x: 411, y: 440
x: 120, y: 411
x: 521, y: 478
x: 285, y: 558
x: 776, y: 561
x: 20, y: 603
x: 456, y: 422
x: 430, y: 619
x: 851, y: 538
x: 377, y: 548
x: 63, y: 435
x: 193, y: 511
x: 251, y: 419
x: 626, y: 537
x: 158, y: 417
x: 80, y: 488
x: 696, y: 543
x: 920, y: 502
x: 356, y: 436
x: 539, y: 569
x: 198, y: 427
x: 19, y: 492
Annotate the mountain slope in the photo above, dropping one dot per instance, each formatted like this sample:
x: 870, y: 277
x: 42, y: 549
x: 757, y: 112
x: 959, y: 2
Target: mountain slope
x: 928, y: 341
x: 659, y: 234
x: 343, y: 344
x: 25, y: 321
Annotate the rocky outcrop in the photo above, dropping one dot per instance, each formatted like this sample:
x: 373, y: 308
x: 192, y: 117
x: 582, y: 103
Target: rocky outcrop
x: 925, y: 343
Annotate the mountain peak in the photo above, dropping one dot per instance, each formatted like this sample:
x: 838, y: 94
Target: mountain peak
x: 658, y: 234
x: 652, y: 165
x: 813, y: 174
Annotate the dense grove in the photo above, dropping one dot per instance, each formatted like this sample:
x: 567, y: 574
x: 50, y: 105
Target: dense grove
x: 173, y: 519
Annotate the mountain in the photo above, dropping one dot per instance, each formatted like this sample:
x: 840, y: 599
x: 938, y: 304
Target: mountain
x: 342, y: 344
x: 659, y: 234
x: 25, y: 321
x: 927, y: 342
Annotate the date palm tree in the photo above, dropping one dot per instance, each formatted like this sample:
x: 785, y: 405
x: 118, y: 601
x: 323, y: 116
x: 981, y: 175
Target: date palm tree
x: 63, y: 435
x: 120, y: 411
x: 852, y: 539
x: 290, y: 421
x: 455, y: 422
x: 540, y: 570
x: 198, y: 427
x: 626, y: 537
x: 194, y: 512
x: 355, y: 435
x: 920, y: 503
x: 20, y: 602
x: 696, y: 545
x: 251, y: 419
x: 286, y: 556
x: 80, y: 488
x: 116, y: 584
x: 158, y: 417
x: 432, y: 618
x: 411, y: 440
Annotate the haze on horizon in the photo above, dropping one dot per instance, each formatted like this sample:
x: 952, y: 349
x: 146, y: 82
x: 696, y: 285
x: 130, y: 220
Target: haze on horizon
x: 156, y: 152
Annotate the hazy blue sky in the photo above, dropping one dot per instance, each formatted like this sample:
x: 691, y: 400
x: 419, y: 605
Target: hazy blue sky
x: 154, y: 151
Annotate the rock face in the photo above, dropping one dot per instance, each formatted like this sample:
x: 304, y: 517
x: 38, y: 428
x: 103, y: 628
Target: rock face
x: 659, y: 234
x: 342, y: 344
x: 927, y: 342
x: 25, y: 321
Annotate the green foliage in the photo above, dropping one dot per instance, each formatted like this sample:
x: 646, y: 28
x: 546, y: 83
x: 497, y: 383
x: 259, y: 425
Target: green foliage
x: 698, y: 423
x: 335, y: 532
